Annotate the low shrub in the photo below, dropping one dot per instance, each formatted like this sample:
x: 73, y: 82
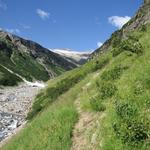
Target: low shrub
x: 136, y: 132
x: 62, y: 86
x: 116, y: 38
x: 125, y: 110
x: 131, y: 44
x: 53, y: 93
x: 143, y: 28
x: 132, y: 132
x: 147, y: 102
x: 99, y: 64
x: 106, y: 89
x: 113, y: 74
x: 116, y: 51
x: 134, y: 36
x: 138, y: 88
x: 96, y: 104
x: 130, y: 127
x: 146, y: 82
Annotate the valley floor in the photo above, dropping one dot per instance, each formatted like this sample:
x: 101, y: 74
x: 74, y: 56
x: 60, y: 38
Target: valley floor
x: 15, y: 102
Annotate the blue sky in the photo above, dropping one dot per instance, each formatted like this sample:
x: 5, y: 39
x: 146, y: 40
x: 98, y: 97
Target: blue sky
x: 75, y: 24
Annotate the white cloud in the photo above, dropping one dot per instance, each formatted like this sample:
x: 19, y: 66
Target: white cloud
x: 3, y: 5
x: 99, y: 44
x: 118, y: 21
x: 14, y: 31
x: 42, y: 14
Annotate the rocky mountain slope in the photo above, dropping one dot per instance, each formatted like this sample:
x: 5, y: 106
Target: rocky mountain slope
x: 77, y: 58
x: 28, y: 59
x: 102, y: 105
x: 141, y: 18
x: 15, y: 102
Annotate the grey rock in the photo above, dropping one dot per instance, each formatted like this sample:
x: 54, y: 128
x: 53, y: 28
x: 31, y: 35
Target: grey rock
x: 14, y: 105
x: 141, y: 17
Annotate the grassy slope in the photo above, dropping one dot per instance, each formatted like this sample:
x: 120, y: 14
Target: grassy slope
x: 8, y: 79
x: 135, y: 78
x: 52, y: 128
x: 21, y: 62
x: 24, y: 64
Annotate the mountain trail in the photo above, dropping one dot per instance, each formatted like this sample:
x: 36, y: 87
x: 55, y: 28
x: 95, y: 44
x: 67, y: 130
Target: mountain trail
x: 82, y: 127
x: 88, y: 123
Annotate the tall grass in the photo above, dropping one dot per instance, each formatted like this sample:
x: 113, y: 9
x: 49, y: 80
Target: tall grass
x: 61, y: 86
x: 126, y: 125
x: 52, y: 128
x: 121, y: 92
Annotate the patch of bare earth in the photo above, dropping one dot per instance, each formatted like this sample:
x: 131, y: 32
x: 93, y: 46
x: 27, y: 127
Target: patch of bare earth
x: 85, y: 131
x: 85, y: 122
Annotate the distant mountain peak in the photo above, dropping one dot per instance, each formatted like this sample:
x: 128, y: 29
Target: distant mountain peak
x: 35, y: 61
x: 75, y: 57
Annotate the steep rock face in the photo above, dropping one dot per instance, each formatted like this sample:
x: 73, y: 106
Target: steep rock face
x: 29, y: 59
x: 146, y: 1
x: 141, y: 18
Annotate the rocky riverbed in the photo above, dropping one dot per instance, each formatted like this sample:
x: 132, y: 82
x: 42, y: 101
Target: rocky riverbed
x: 15, y: 103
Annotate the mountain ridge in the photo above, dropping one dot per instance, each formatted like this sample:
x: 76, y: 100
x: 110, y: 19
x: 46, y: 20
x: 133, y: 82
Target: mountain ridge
x: 141, y: 17
x: 104, y: 104
x: 78, y: 58
x: 29, y: 59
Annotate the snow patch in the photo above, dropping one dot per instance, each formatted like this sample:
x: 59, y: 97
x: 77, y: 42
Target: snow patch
x: 75, y: 55
x: 35, y: 84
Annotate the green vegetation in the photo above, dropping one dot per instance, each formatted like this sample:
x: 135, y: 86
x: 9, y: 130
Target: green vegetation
x: 130, y: 128
x: 97, y: 103
x: 113, y: 74
x: 63, y: 85
x: 21, y: 62
x: 30, y: 61
x: 28, y: 67
x: 52, y: 128
x: 115, y: 88
x: 131, y: 44
x: 123, y: 96
x: 107, y: 89
x: 127, y: 112
x: 8, y: 79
